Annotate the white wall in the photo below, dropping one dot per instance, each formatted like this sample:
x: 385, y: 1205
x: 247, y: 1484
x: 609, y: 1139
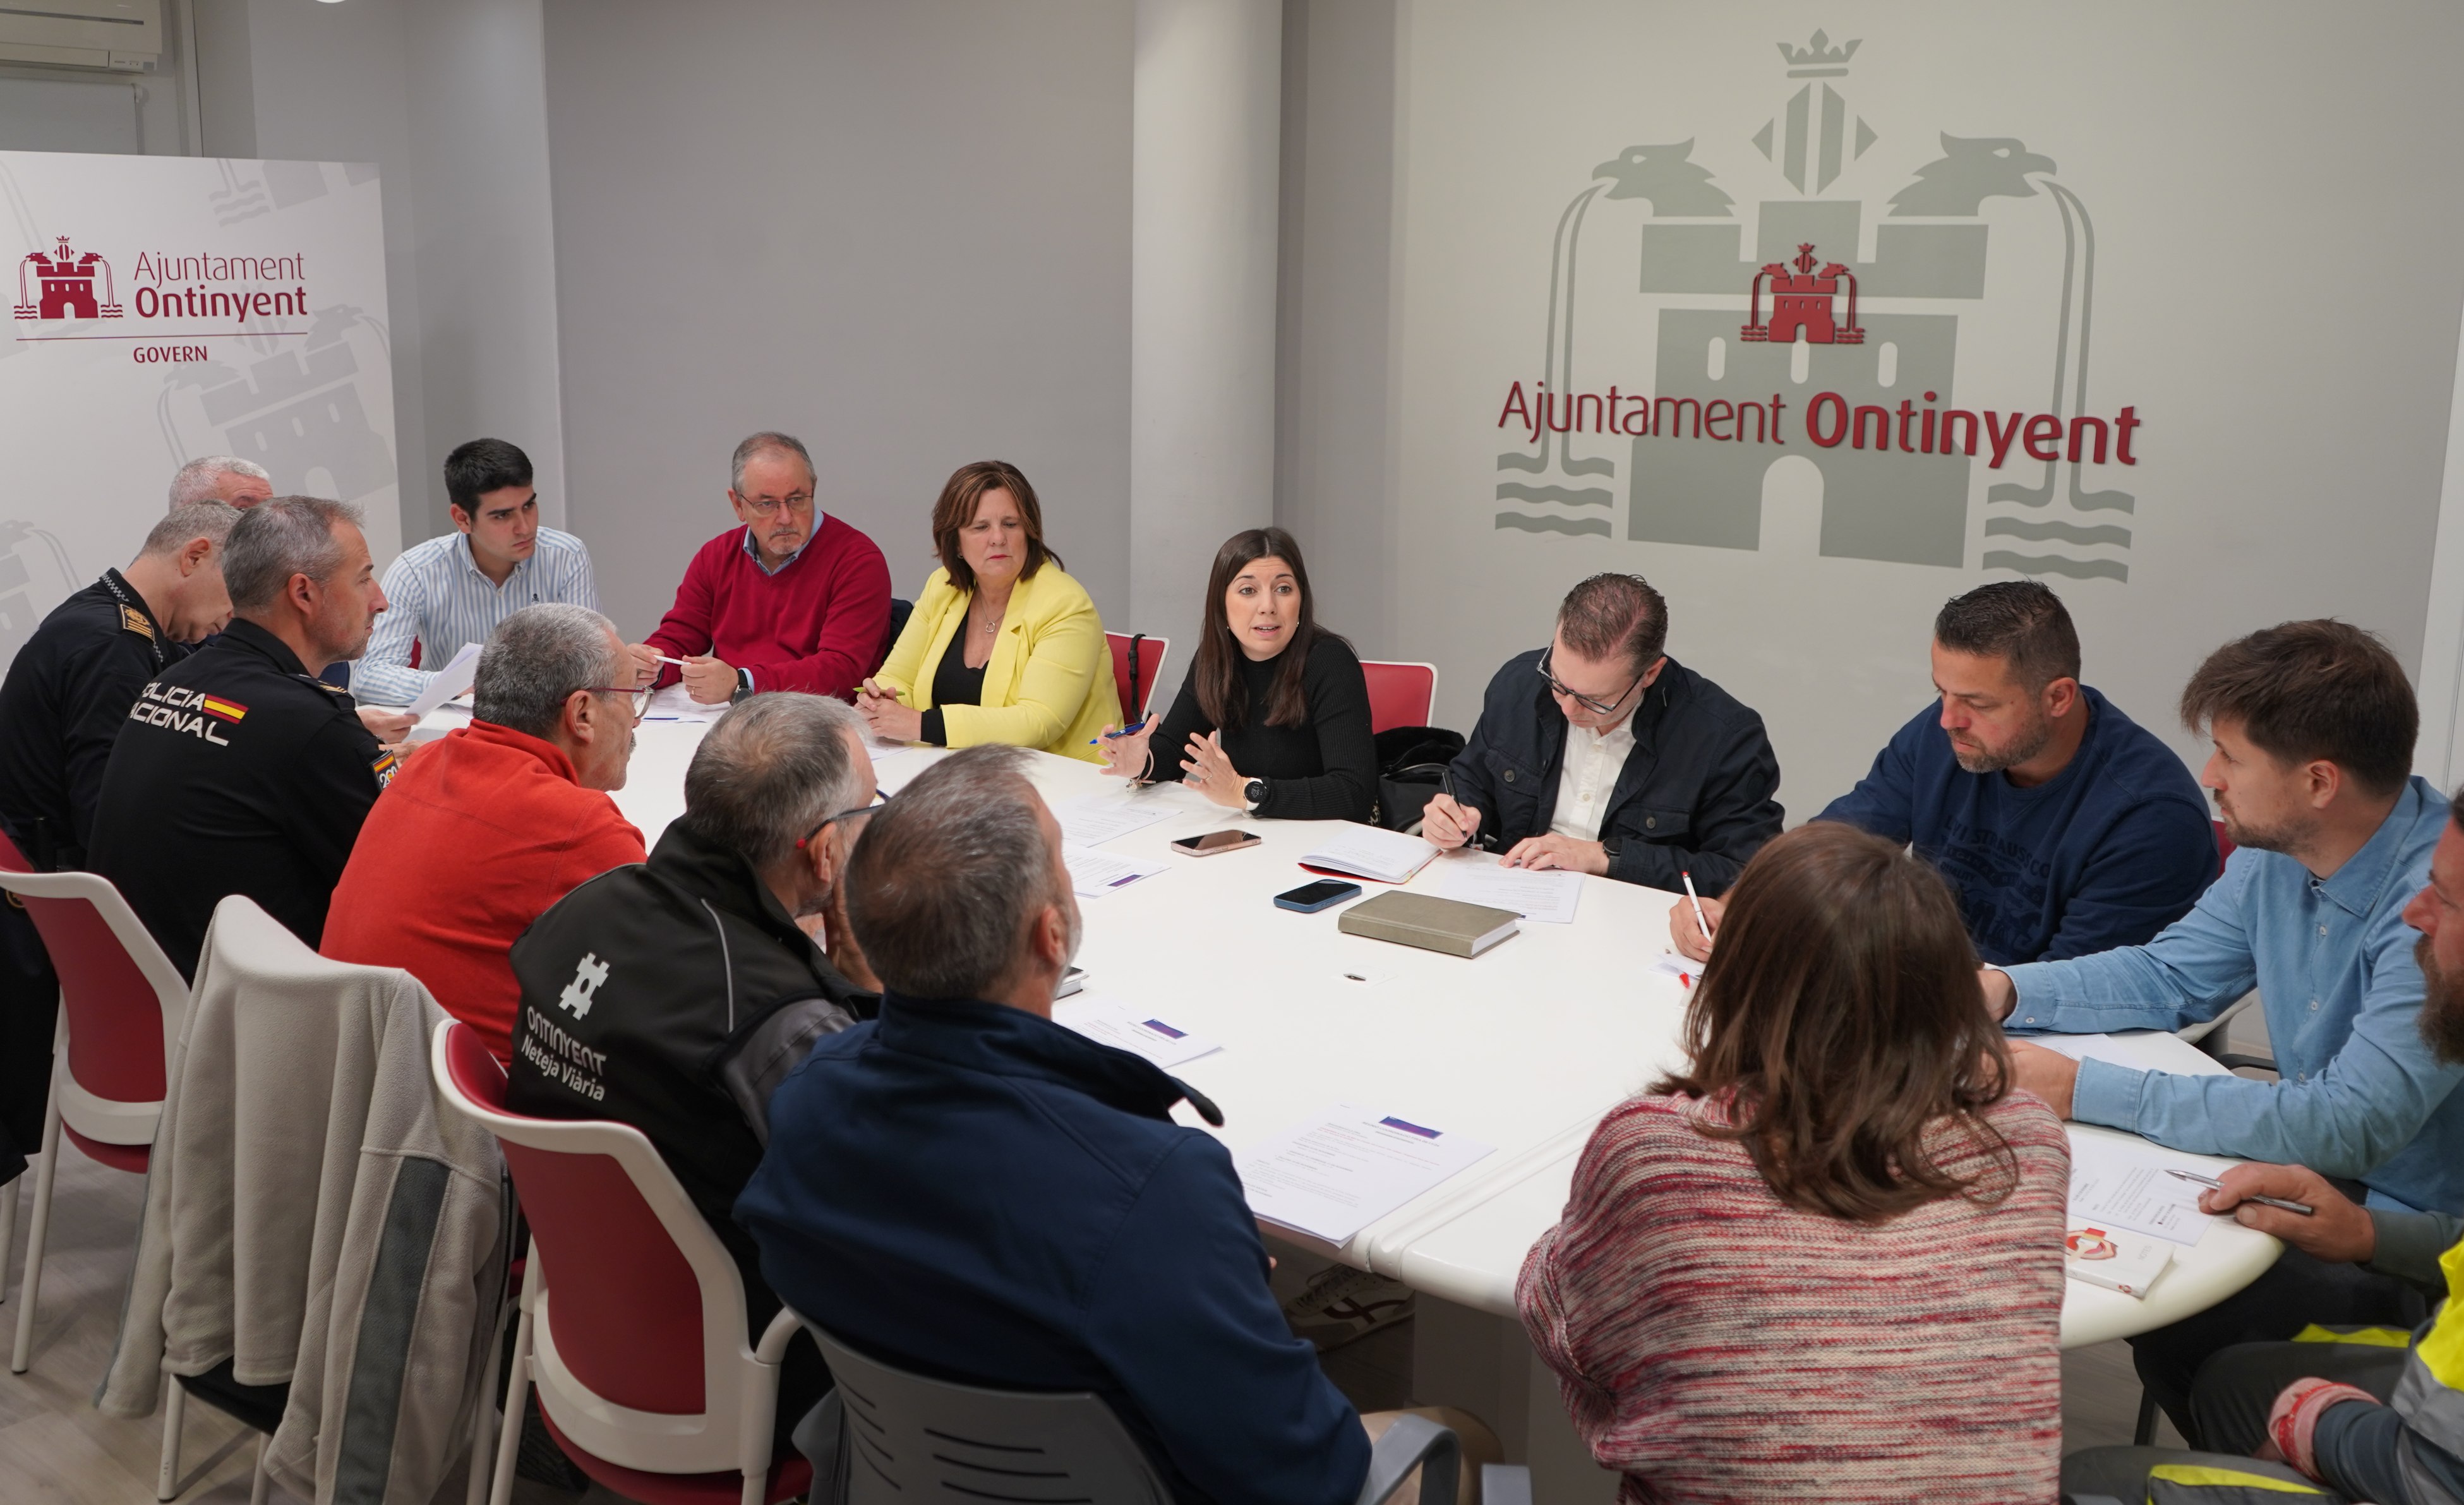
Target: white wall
x: 2267, y: 185
x: 899, y: 231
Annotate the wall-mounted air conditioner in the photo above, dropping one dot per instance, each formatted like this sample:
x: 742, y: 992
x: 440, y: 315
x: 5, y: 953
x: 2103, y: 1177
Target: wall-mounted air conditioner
x: 123, y: 35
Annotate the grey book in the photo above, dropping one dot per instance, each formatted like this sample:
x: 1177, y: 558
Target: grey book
x: 1429, y: 922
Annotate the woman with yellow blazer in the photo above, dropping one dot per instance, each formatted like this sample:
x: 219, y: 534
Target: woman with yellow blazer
x: 1004, y: 646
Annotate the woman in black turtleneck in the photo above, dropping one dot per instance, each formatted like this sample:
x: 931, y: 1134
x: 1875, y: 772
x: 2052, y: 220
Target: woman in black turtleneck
x: 1274, y: 716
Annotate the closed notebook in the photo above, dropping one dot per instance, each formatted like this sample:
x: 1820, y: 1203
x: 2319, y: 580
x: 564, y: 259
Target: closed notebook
x: 1429, y: 922
x: 2118, y: 1261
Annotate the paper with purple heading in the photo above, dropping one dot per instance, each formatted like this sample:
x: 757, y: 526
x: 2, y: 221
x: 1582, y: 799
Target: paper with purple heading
x: 1346, y: 1166
x: 1139, y: 1031
x: 1095, y: 874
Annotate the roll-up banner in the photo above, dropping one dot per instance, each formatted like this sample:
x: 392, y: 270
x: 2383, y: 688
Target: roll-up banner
x: 167, y: 308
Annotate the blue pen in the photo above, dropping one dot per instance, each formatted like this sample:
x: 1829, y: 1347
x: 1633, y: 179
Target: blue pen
x: 1130, y: 730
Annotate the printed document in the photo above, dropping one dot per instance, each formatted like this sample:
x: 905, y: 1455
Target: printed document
x: 1137, y: 1031
x: 1548, y: 896
x: 1093, y: 820
x: 1348, y: 1167
x: 2115, y: 1186
x: 456, y: 677
x: 676, y: 704
x: 1095, y: 874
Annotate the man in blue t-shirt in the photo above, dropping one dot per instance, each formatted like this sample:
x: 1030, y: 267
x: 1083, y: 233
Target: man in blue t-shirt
x: 2063, y: 826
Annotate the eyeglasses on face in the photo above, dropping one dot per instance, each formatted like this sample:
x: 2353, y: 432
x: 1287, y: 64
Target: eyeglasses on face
x: 806, y: 839
x: 640, y: 696
x: 1591, y: 703
x: 797, y: 503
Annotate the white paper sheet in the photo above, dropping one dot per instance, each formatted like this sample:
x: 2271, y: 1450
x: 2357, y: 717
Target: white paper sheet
x: 1388, y: 856
x: 1345, y: 1167
x: 1684, y: 968
x: 1548, y: 896
x: 450, y: 681
x: 2113, y: 1186
x: 1093, y: 820
x: 1137, y: 1031
x: 675, y: 704
x: 1095, y: 874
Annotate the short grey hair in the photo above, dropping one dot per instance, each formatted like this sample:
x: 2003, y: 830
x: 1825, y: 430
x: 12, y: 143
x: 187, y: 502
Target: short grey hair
x: 185, y: 525
x: 535, y: 661
x: 279, y: 538
x: 766, y: 442
x: 770, y: 771
x: 195, y: 481
x: 946, y: 879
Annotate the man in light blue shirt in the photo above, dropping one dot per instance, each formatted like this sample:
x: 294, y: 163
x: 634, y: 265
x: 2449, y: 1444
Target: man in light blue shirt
x: 2313, y: 723
x: 455, y: 589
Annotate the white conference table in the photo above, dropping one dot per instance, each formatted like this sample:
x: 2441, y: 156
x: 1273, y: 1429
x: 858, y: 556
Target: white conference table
x: 1523, y: 1048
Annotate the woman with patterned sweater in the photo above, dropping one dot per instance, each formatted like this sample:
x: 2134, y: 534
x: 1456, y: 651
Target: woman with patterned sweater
x: 1823, y: 1261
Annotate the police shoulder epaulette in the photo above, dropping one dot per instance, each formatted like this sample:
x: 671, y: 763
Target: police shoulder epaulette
x: 131, y: 619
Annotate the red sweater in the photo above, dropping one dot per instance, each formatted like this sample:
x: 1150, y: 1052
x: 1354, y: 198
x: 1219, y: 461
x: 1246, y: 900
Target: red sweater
x: 1714, y: 1343
x: 477, y: 837
x: 820, y: 624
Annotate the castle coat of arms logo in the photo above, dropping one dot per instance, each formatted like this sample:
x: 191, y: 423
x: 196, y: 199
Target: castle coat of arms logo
x: 1872, y: 399
x: 62, y: 285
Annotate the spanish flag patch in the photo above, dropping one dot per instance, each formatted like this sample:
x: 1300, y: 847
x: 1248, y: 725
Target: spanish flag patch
x: 227, y: 710
x: 386, y: 767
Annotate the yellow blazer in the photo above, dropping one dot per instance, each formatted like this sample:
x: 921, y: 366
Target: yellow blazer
x: 1048, y: 683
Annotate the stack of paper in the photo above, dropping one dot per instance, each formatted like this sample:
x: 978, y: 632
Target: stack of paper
x: 1548, y: 895
x: 1093, y: 820
x: 1095, y: 874
x: 1359, y: 851
x: 456, y: 677
x: 1348, y: 1167
x: 2115, y: 1187
x: 676, y: 704
x: 1137, y: 1030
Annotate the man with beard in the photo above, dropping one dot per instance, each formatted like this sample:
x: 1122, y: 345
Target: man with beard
x: 2063, y: 826
x: 496, y: 821
x: 2371, y: 1413
x: 236, y: 771
x: 2313, y: 723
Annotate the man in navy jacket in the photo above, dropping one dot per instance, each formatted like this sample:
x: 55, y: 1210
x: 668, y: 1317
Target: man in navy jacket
x: 966, y: 1189
x: 2064, y: 828
x: 1602, y: 754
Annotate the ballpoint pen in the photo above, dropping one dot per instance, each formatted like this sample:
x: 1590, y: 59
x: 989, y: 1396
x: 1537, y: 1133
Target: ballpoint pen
x: 1697, y: 900
x: 1130, y: 730
x: 2275, y: 1201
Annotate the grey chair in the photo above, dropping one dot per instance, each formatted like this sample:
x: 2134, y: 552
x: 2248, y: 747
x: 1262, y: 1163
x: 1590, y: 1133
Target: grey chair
x: 900, y: 1437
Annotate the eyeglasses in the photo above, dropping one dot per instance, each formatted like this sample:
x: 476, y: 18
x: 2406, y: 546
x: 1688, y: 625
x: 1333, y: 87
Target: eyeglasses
x: 640, y: 696
x: 806, y: 839
x: 1591, y: 703
x: 768, y: 506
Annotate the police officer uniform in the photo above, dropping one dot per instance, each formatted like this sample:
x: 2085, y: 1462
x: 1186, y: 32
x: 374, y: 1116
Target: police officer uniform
x: 236, y: 772
x: 66, y: 692
x: 674, y: 996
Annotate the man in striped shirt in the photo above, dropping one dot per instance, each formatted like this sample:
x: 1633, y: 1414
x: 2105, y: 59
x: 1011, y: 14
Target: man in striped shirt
x: 454, y: 589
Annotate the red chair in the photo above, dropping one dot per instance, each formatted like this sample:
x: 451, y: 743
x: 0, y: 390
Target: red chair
x: 1399, y: 694
x: 122, y: 1006
x: 1134, y: 697
x: 632, y: 1314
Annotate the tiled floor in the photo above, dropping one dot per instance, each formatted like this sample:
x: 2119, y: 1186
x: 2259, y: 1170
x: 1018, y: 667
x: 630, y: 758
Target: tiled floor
x: 55, y: 1449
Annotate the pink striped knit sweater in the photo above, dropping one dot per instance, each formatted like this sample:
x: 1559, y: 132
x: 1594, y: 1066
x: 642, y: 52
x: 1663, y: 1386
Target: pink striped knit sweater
x: 1715, y: 1344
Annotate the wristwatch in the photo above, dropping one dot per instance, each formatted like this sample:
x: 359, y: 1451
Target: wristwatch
x: 1254, y: 792
x: 1609, y: 845
x: 743, y: 685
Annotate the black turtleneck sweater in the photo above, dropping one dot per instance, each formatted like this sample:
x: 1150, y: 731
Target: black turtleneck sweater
x: 1325, y: 768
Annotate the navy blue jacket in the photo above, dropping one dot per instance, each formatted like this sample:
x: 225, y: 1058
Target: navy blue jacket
x: 2105, y: 853
x: 978, y: 1195
x: 1695, y: 794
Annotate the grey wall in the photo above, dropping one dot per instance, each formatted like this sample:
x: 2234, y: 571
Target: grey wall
x: 899, y: 231
x: 1333, y: 438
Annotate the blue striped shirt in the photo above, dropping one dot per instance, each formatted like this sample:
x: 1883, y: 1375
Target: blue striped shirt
x: 438, y: 598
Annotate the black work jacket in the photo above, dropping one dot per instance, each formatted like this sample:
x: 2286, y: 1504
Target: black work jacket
x: 674, y: 996
x: 236, y: 771
x: 67, y: 694
x: 1697, y: 793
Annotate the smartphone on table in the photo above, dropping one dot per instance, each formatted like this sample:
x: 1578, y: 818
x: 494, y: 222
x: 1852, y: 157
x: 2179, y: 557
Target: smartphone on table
x: 1212, y: 844
x: 1324, y: 894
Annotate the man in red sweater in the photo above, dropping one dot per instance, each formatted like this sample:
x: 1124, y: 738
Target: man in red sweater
x: 482, y: 831
x: 780, y: 603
